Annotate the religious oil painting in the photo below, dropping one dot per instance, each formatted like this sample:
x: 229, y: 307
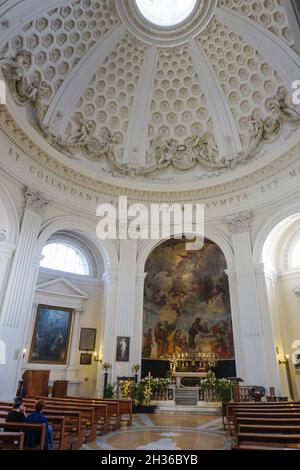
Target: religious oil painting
x: 186, y: 302
x: 123, y: 348
x: 51, y: 335
x: 87, y: 339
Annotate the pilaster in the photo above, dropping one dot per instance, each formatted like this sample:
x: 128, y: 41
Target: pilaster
x: 18, y: 298
x: 254, y: 367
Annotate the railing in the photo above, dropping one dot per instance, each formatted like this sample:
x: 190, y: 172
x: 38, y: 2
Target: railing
x: 208, y: 395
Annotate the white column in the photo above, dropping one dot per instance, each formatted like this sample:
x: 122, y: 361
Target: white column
x: 72, y: 368
x: 267, y: 327
x: 138, y: 319
x: 6, y: 252
x: 236, y: 324
x: 125, y: 321
x: 15, y: 313
x: 254, y: 371
x: 108, y: 340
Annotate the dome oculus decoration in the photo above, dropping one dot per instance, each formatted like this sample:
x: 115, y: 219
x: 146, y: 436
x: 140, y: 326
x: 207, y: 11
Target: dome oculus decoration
x: 166, y: 13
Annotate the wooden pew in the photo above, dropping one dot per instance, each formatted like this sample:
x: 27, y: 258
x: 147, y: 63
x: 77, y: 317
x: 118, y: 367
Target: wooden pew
x: 268, y: 429
x: 66, y: 427
x: 88, y: 418
x: 23, y: 427
x: 268, y: 439
x: 106, y: 412
x: 286, y: 416
x: 233, y: 409
x: 262, y: 447
x: 125, y: 407
x: 74, y: 425
x: 101, y: 411
x: 268, y: 421
x: 11, y: 440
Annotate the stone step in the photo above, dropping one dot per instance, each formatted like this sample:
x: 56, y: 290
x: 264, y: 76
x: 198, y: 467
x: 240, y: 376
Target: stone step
x: 186, y: 396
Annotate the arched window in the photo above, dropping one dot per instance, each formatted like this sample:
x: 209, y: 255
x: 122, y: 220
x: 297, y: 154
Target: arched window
x: 295, y: 255
x: 65, y: 257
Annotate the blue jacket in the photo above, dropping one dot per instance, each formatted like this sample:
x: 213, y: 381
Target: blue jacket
x: 32, y: 438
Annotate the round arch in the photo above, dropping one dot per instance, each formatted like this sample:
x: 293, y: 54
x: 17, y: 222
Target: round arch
x: 211, y: 233
x: 87, y: 228
x: 268, y: 227
x: 9, y: 210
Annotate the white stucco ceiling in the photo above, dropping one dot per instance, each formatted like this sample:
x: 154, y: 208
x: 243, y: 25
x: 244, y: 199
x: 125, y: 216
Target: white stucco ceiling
x: 125, y: 100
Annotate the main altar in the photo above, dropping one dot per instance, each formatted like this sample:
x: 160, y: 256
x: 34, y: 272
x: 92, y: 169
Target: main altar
x: 188, y: 369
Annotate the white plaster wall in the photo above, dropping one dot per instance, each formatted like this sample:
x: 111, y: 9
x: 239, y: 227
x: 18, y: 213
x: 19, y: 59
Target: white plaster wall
x: 92, y: 317
x: 291, y: 318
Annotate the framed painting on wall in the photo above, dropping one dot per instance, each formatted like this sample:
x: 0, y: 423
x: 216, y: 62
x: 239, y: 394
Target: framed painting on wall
x: 123, y: 348
x: 87, y: 339
x: 86, y: 359
x: 51, y: 335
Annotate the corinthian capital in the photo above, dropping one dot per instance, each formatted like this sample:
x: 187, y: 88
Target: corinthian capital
x: 35, y: 201
x: 241, y: 222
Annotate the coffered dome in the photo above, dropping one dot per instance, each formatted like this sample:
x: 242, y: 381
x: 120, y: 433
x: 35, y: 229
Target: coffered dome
x: 127, y: 93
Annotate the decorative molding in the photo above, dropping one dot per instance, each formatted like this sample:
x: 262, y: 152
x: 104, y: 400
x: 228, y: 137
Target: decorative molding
x: 70, y: 290
x: 131, y: 15
x: 240, y: 223
x: 110, y: 276
x: 163, y: 154
x: 225, y: 126
x: 3, y: 235
x: 277, y: 52
x: 55, y: 169
x: 35, y: 201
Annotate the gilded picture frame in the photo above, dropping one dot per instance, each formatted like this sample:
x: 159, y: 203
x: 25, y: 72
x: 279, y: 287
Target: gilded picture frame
x: 51, y: 335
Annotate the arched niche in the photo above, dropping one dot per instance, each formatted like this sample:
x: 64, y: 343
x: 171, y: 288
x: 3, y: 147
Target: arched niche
x: 273, y: 250
x: 9, y: 220
x: 187, y: 301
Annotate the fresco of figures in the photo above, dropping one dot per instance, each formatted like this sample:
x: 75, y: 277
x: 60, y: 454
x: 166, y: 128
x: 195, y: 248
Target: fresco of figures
x: 186, y: 302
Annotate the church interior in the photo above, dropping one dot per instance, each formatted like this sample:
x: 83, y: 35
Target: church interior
x: 135, y: 340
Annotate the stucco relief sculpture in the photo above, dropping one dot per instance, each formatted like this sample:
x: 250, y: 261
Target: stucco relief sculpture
x: 163, y: 154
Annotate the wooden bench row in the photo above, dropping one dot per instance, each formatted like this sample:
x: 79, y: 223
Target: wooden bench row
x: 11, y: 440
x: 268, y: 425
x: 228, y: 409
x: 75, y: 419
x: 8, y: 440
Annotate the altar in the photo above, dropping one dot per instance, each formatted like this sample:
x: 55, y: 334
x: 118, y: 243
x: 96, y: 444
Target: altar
x: 187, y: 379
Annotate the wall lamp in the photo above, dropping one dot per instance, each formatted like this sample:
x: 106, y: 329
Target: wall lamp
x: 97, y: 358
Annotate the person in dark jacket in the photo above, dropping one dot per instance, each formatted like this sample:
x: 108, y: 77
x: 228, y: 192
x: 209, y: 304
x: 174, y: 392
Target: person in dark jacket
x: 17, y: 414
x: 32, y: 437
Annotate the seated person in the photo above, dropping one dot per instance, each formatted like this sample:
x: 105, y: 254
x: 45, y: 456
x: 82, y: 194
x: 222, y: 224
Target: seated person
x: 37, y: 417
x: 17, y: 414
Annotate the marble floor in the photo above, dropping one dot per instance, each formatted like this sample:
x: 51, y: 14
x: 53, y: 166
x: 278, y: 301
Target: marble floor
x: 167, y: 431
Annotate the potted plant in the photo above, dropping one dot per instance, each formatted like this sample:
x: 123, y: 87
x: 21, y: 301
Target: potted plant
x: 108, y: 391
x: 143, y: 397
x: 224, y: 389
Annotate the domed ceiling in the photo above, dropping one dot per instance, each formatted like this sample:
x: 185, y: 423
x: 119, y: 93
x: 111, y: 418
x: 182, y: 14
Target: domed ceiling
x: 130, y: 94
